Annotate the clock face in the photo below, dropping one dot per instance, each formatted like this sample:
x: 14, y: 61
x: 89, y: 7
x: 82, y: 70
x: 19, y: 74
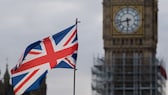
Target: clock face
x: 127, y: 20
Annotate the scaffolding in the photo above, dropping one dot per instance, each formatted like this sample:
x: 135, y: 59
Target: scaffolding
x: 127, y: 75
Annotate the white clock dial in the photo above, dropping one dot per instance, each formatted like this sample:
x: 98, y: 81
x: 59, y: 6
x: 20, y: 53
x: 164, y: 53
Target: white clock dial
x: 127, y: 20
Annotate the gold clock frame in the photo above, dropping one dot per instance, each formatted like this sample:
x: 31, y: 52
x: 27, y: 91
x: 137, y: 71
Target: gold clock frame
x: 138, y: 32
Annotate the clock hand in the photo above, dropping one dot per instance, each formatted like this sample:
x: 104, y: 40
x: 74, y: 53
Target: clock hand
x: 127, y: 19
x: 123, y: 21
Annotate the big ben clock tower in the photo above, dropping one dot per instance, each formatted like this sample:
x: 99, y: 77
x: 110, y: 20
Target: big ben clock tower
x: 129, y: 65
x: 130, y: 27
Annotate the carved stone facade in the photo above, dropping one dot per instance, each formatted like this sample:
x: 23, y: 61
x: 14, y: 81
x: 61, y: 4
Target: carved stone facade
x: 143, y: 41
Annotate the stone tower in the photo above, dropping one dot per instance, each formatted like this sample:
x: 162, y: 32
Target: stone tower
x: 130, y: 26
x: 129, y: 65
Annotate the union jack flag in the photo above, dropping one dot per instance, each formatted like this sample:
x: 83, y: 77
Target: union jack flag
x: 57, y: 51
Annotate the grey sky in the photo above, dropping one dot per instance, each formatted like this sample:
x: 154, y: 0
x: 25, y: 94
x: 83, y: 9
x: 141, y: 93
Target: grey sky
x: 25, y: 21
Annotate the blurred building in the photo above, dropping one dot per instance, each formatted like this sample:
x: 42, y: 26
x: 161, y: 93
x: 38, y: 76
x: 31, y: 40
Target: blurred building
x: 129, y: 66
x: 7, y: 89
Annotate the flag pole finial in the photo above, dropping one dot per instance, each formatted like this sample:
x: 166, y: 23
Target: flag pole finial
x: 77, y: 21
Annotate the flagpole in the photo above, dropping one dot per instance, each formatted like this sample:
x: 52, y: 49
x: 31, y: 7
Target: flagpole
x: 74, y: 81
x: 75, y: 64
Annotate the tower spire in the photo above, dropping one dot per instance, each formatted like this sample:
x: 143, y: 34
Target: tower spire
x: 6, y: 65
x: 0, y: 74
x: 6, y: 75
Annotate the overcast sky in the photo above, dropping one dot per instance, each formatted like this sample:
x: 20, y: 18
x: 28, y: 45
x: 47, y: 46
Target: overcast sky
x: 25, y: 21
